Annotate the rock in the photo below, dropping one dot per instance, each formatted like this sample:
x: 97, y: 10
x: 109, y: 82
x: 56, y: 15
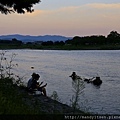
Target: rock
x: 46, y: 104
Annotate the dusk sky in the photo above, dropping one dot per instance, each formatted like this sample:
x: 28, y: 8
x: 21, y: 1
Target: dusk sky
x: 65, y: 17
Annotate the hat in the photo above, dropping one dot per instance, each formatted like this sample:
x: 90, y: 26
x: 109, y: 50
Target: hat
x: 33, y: 74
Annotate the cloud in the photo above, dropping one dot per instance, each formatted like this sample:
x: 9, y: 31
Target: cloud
x: 77, y: 12
x: 104, y: 6
x: 74, y: 12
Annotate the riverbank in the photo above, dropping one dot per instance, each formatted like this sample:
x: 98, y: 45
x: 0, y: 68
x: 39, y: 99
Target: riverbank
x: 61, y: 47
x: 15, y: 100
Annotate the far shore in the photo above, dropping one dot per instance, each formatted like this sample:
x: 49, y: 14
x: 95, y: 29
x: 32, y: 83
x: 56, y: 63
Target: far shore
x: 61, y: 47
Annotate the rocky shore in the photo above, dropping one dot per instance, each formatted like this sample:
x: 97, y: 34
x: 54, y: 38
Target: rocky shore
x: 17, y: 103
x: 47, y: 105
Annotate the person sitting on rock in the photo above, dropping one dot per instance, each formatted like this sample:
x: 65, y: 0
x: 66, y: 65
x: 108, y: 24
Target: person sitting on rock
x: 33, y: 84
x: 30, y: 81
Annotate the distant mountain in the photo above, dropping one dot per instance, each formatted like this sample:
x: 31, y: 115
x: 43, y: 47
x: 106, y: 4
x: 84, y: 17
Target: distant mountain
x: 28, y: 38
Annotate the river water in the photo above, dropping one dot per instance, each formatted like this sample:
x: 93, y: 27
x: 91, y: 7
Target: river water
x: 55, y: 67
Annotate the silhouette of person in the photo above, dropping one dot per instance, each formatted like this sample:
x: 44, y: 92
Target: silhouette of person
x: 97, y: 81
x: 74, y: 76
x: 33, y: 84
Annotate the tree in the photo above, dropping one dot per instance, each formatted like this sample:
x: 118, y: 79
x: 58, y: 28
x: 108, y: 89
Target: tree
x: 19, y: 6
x: 113, y: 37
x: 59, y: 43
x: 15, y: 41
x: 47, y: 43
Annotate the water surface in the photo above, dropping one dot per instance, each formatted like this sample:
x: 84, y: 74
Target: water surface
x: 55, y: 67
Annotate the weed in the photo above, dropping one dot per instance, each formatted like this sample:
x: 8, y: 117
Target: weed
x: 6, y: 64
x: 78, y: 86
x: 54, y: 96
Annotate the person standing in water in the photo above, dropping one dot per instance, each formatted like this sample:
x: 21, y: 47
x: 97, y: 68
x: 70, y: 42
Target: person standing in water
x: 74, y: 76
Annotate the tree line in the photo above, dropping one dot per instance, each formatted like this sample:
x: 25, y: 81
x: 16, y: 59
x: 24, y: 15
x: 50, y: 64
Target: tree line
x: 112, y: 38
x: 13, y: 41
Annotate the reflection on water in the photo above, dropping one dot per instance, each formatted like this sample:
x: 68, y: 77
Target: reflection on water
x: 56, y: 66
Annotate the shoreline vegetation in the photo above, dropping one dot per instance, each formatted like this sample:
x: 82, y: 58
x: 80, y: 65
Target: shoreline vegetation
x: 95, y: 42
x: 27, y: 104
x: 15, y: 100
x: 66, y: 47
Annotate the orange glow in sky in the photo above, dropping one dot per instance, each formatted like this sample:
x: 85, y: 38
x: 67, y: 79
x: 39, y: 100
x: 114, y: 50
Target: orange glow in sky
x: 81, y: 19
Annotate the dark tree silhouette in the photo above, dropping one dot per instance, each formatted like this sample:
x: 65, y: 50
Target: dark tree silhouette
x: 47, y: 43
x: 113, y: 37
x: 19, y: 6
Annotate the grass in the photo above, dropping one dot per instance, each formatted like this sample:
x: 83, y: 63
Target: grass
x: 11, y: 99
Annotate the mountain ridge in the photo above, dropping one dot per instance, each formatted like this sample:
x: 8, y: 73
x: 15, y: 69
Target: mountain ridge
x: 30, y: 38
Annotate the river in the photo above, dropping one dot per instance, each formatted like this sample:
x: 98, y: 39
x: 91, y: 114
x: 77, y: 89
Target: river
x: 55, y: 66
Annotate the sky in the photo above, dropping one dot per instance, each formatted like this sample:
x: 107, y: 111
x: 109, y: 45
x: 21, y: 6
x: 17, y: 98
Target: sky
x: 65, y: 17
